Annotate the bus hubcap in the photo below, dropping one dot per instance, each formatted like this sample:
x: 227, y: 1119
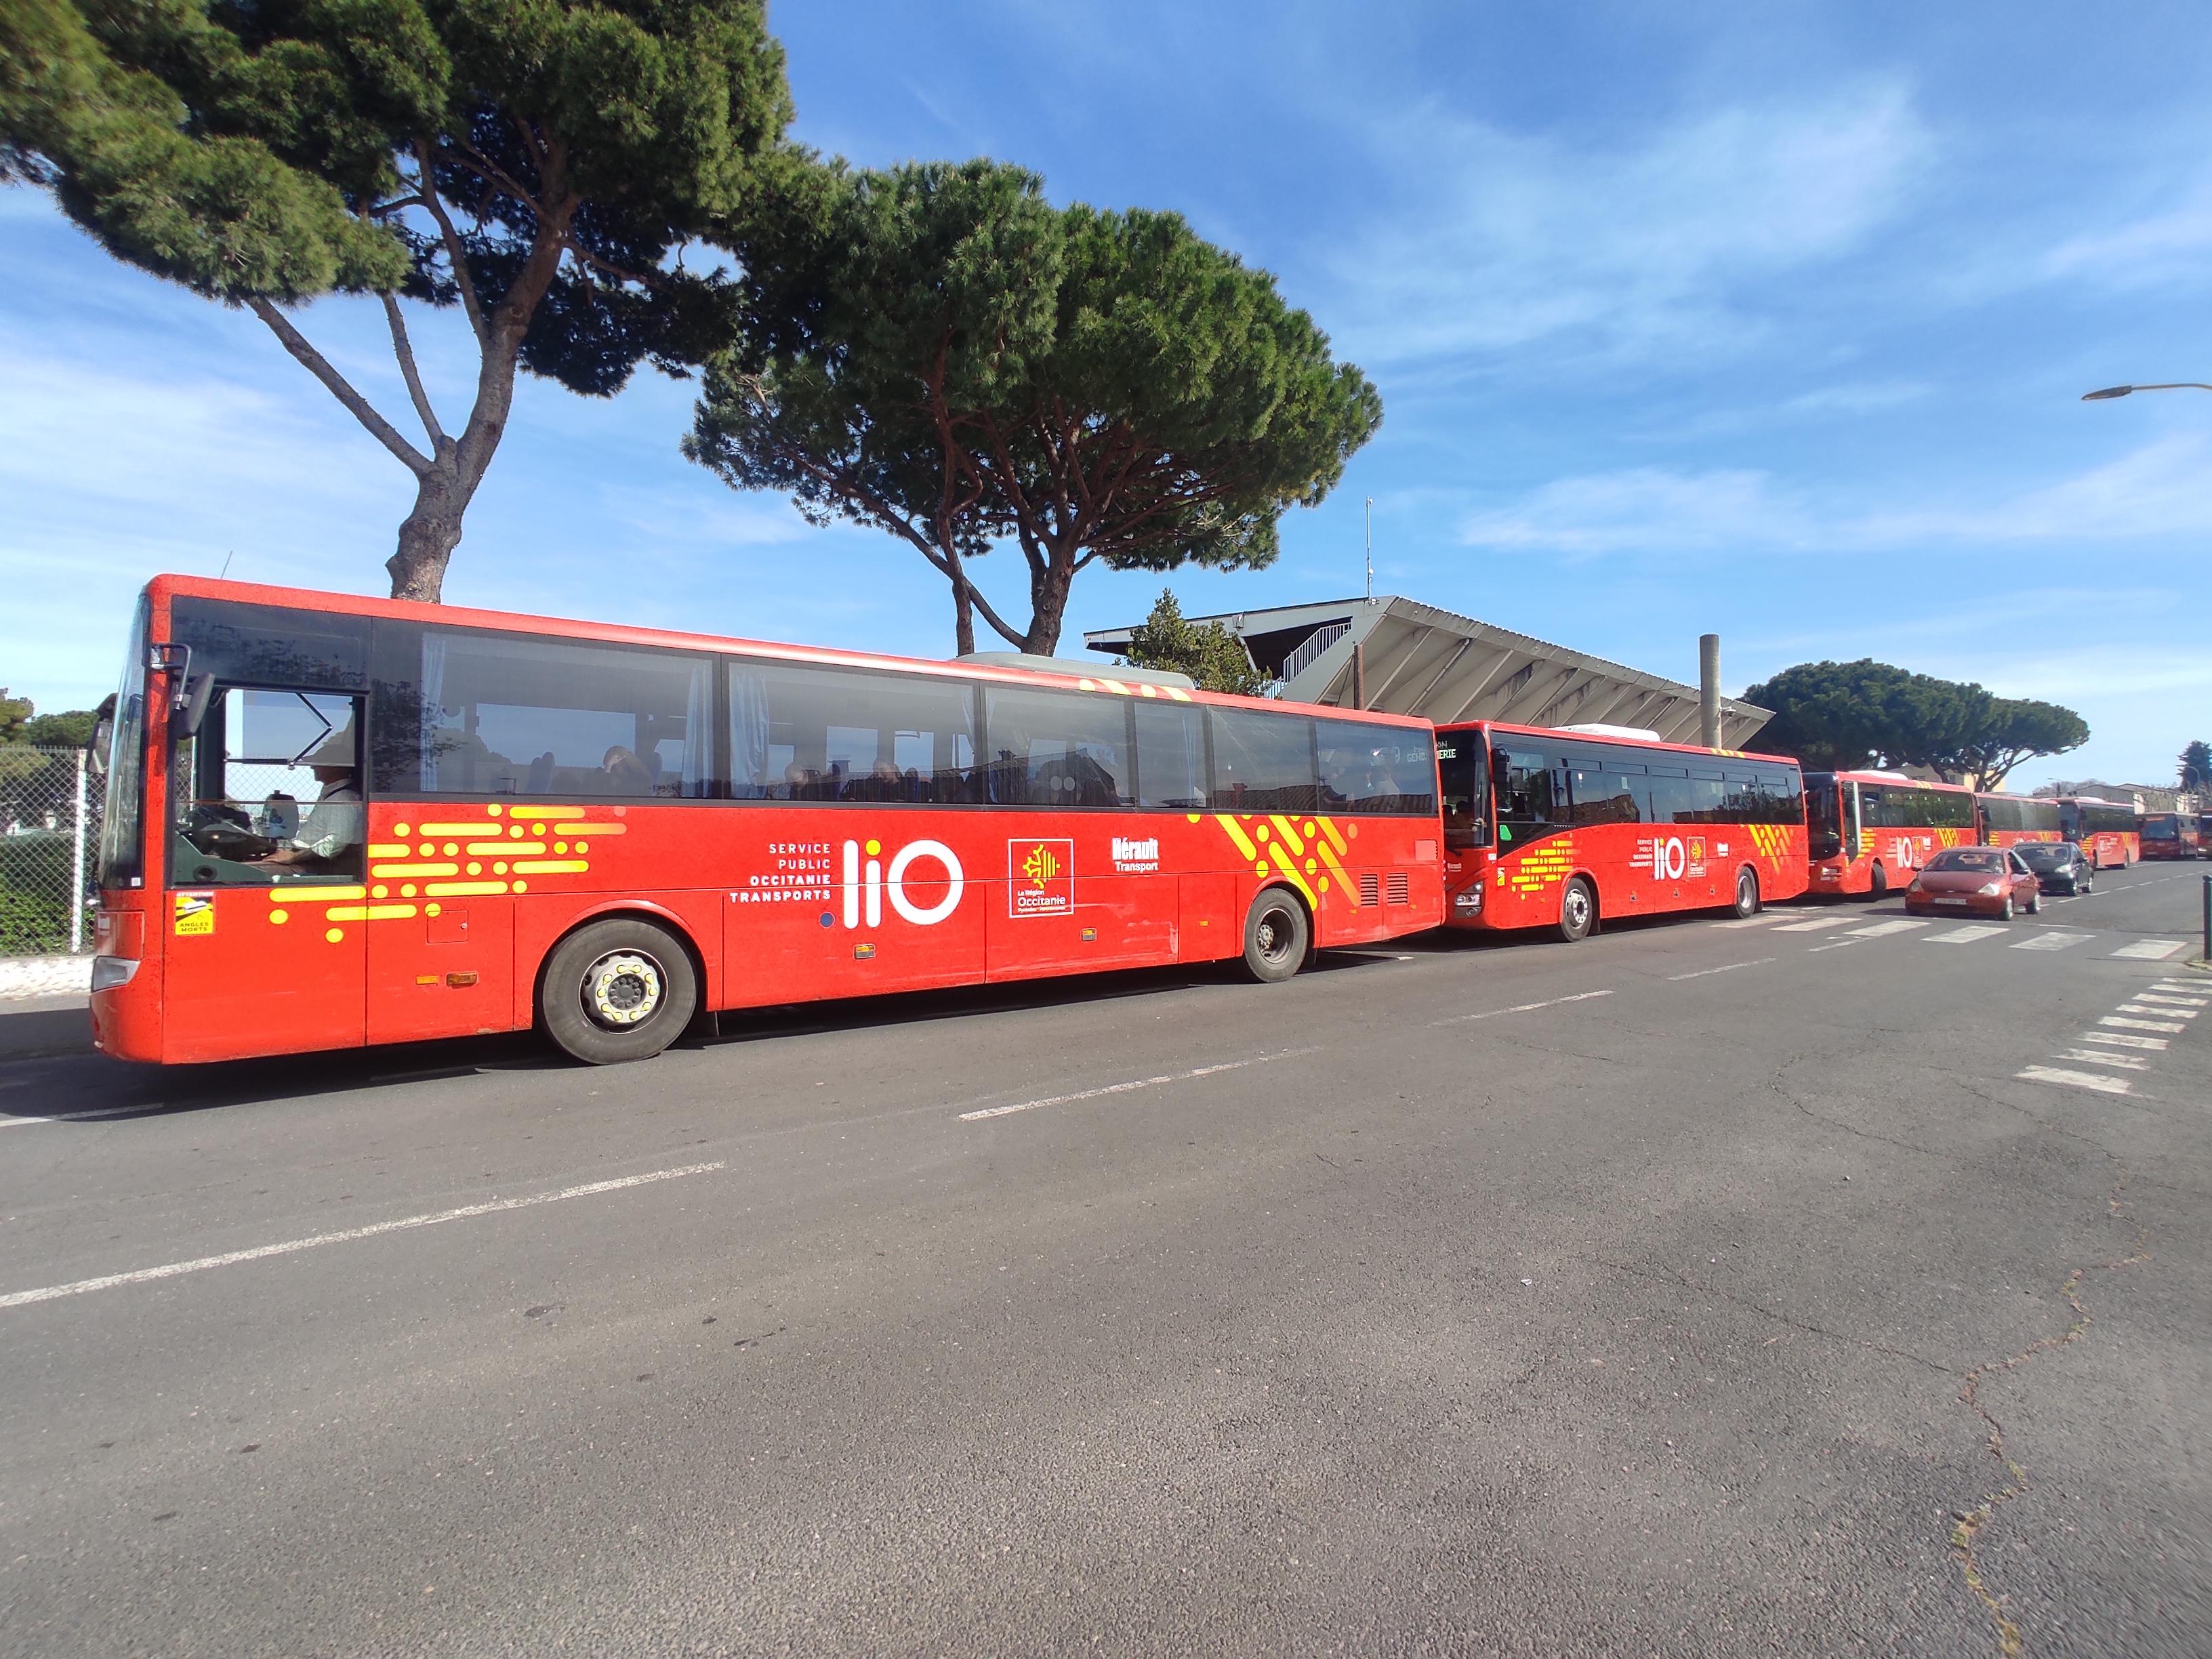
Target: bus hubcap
x: 1577, y: 909
x: 1274, y: 936
x: 622, y: 988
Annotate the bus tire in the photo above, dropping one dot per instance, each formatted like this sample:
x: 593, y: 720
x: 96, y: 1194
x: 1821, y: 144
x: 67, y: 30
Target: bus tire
x: 1577, y: 910
x: 1746, y: 892
x: 1277, y: 936
x: 619, y: 989
x: 1877, y: 883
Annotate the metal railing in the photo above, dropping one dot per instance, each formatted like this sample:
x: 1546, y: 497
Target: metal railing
x: 50, y: 807
x: 1311, y: 646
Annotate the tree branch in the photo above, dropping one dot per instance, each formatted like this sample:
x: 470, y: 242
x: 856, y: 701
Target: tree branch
x: 405, y: 352
x: 652, y: 279
x: 456, y: 254
x: 317, y: 365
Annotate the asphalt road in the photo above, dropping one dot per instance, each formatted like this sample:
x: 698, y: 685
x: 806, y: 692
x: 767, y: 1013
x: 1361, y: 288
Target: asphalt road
x: 1678, y: 1292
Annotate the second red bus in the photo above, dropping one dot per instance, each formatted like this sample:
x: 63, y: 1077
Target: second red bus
x: 2170, y: 835
x: 1868, y: 831
x: 1559, y: 828
x: 2105, y: 830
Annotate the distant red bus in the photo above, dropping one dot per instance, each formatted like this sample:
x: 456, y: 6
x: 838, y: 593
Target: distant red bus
x: 1561, y: 829
x: 1868, y: 831
x: 2007, y: 820
x: 2170, y: 836
x: 336, y: 821
x: 2105, y: 830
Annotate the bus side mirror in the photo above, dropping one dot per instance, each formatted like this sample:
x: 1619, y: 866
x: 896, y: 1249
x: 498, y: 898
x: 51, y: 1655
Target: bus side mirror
x: 1501, y: 774
x: 103, y: 736
x: 193, y: 701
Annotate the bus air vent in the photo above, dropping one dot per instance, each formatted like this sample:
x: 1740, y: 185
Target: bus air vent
x: 1399, y: 893
x: 1370, y: 889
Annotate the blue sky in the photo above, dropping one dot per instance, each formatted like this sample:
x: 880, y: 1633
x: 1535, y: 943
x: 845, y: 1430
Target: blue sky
x: 1770, y: 321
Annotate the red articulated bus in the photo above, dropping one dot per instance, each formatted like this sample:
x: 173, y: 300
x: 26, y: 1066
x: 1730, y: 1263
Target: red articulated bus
x: 1868, y: 831
x: 1557, y: 829
x: 336, y: 821
x: 2008, y: 820
x: 2170, y: 836
x: 2105, y: 830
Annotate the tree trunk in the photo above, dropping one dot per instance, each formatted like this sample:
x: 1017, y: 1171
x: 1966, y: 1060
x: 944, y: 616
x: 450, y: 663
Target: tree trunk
x: 427, y: 537
x: 1048, y: 606
x: 963, y: 612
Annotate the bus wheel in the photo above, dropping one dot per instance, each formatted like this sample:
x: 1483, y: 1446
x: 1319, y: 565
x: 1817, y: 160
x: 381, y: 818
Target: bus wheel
x: 1577, y: 911
x: 1276, y: 936
x: 615, y: 990
x: 1746, y: 892
x: 1877, y: 883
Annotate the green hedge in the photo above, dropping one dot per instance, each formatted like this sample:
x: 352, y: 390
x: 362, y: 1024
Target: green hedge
x: 34, y: 893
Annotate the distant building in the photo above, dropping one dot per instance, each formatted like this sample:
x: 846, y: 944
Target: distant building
x: 1413, y: 659
x: 2147, y: 796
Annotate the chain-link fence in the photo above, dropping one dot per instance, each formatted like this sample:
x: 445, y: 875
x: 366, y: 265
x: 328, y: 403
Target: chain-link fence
x: 49, y: 803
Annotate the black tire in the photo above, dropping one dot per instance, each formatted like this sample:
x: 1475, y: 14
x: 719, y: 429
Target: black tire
x: 1877, y: 885
x: 2006, y: 913
x: 1277, y: 936
x: 617, y: 990
x: 1746, y: 892
x: 1577, y: 910
x: 2035, y: 903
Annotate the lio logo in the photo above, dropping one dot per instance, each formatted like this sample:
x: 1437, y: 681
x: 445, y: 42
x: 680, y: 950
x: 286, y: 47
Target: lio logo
x: 865, y: 889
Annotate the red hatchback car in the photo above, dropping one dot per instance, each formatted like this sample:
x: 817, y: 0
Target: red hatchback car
x: 1982, y: 881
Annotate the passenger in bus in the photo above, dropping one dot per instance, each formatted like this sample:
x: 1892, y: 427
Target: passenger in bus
x: 626, y: 774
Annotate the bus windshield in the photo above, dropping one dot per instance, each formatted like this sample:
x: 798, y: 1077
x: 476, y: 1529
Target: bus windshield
x: 1824, y: 825
x: 1463, y: 759
x: 119, y: 840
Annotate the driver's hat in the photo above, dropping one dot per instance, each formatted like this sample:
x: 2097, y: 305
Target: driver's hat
x: 336, y: 749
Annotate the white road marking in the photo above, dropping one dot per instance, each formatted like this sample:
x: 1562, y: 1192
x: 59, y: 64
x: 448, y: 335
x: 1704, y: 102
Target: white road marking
x: 2164, y: 1001
x: 1521, y: 1008
x: 2049, y: 941
x: 2152, y: 950
x: 2166, y: 1012
x: 2126, y: 1024
x: 2195, y: 987
x: 2118, y: 1042
x: 1729, y: 969
x: 1814, y: 926
x: 231, y: 1258
x: 18, y: 1123
x: 2103, y: 1085
x: 1763, y: 919
x: 1883, y: 928
x: 2097, y: 1057
x: 1832, y: 944
x: 1130, y: 1087
x: 1962, y: 935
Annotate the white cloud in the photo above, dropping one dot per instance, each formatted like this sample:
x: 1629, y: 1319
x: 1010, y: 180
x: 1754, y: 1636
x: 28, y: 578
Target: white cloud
x: 2155, y: 490
x: 1498, y: 240
x: 2157, y: 248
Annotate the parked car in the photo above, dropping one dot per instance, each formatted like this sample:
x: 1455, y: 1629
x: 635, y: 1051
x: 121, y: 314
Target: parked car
x: 1982, y: 881
x: 2058, y: 866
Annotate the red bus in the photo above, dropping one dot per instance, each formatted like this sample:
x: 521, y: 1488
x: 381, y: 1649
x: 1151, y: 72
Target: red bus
x: 1561, y: 829
x: 1868, y: 831
x: 2007, y: 820
x: 336, y: 821
x: 2170, y: 836
x: 2105, y: 830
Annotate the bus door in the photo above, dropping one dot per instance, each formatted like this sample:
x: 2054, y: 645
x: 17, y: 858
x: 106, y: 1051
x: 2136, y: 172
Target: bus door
x: 265, y: 909
x: 1854, y: 843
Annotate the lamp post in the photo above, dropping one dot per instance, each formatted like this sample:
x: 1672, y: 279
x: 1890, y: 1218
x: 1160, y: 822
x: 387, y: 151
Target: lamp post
x: 2122, y: 391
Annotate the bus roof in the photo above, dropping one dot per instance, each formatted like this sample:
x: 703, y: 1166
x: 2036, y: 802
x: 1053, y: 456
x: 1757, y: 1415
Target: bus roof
x: 163, y: 587
x: 1570, y: 734
x: 1865, y: 777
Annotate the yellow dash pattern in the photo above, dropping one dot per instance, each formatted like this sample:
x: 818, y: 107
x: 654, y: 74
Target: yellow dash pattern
x: 1328, y: 857
x: 593, y: 828
x: 1545, y: 865
x: 460, y: 828
x: 288, y: 894
x: 1299, y: 882
x: 464, y: 889
x: 414, y: 869
x: 389, y: 849
x: 369, y: 912
x: 552, y: 866
x: 1336, y: 835
x: 499, y: 849
x: 1288, y: 832
x: 1236, y: 835
x: 546, y: 812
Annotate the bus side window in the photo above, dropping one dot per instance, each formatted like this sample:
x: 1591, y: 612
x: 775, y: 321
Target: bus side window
x: 1170, y: 755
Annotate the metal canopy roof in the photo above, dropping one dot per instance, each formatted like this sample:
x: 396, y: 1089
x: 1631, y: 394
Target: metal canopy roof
x: 1420, y: 660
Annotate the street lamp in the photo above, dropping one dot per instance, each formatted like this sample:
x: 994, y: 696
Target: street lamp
x: 2122, y: 391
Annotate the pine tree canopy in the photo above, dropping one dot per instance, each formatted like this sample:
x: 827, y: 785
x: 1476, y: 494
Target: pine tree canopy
x: 936, y: 350
x: 534, y: 162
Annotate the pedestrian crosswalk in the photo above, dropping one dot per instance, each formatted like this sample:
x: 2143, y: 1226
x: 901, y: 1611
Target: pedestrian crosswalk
x: 1964, y: 935
x: 2040, y: 937
x: 2117, y: 1047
